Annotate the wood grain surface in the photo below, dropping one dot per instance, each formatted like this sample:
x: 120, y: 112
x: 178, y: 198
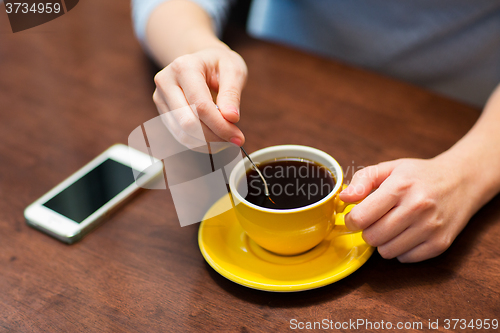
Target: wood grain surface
x: 71, y: 88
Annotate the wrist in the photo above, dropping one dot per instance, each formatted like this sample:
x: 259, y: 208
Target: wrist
x: 474, y: 173
x: 200, y: 39
x: 176, y: 28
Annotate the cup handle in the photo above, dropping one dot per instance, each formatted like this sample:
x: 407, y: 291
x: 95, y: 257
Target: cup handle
x: 341, y: 209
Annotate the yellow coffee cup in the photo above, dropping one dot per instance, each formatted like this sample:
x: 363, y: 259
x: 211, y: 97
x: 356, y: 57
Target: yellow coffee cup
x: 290, y: 231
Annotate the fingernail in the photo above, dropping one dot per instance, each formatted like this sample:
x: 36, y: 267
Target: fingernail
x: 236, y: 141
x: 232, y: 109
x: 347, y: 190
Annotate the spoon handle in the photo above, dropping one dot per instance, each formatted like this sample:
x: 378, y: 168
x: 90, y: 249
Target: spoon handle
x: 266, y: 189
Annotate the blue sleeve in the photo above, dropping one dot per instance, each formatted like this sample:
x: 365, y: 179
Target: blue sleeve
x: 142, y: 9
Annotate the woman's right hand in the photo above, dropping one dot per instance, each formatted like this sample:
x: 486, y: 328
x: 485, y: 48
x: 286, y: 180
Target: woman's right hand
x: 185, y: 86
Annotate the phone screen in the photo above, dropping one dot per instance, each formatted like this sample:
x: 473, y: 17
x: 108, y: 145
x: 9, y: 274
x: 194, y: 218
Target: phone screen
x: 89, y: 193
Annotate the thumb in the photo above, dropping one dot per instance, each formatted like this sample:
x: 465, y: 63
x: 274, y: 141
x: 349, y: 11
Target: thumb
x: 232, y: 77
x: 366, y: 180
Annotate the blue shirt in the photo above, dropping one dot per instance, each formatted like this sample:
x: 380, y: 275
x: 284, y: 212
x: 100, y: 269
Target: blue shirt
x: 449, y: 46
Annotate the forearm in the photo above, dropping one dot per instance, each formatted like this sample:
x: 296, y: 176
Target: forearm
x: 477, y: 154
x: 179, y: 27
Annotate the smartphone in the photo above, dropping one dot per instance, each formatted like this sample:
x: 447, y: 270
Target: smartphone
x: 86, y: 198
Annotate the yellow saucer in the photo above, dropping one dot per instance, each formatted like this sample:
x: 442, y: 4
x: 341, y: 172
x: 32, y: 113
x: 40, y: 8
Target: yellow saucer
x: 227, y: 248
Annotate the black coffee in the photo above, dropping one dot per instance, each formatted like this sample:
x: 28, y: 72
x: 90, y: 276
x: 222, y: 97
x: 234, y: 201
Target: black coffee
x: 292, y: 183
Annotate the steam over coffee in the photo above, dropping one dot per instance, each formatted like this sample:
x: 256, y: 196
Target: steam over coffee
x: 293, y: 183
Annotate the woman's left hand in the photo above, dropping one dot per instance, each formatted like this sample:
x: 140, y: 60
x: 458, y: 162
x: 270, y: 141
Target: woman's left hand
x: 417, y: 208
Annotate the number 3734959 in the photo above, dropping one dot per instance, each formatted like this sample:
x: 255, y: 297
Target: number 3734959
x: 472, y: 324
x: 35, y: 8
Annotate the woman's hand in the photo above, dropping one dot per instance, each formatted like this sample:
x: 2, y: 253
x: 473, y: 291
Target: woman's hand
x: 185, y: 86
x: 417, y: 209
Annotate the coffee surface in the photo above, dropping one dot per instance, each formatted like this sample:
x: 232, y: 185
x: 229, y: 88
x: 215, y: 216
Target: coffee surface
x: 292, y: 182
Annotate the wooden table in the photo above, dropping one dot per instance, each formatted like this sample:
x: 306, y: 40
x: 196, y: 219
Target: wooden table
x: 73, y: 87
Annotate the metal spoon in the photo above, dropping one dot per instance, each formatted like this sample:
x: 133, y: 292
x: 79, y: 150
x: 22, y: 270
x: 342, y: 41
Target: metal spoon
x: 266, y: 189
